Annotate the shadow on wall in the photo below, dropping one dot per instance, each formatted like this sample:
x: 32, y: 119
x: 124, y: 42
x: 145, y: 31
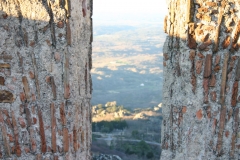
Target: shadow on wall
x: 202, y: 72
x: 45, y: 81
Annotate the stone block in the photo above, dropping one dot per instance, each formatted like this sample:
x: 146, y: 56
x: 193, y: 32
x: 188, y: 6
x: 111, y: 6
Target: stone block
x: 6, y: 97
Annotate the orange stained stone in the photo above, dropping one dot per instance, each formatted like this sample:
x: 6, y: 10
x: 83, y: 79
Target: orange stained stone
x: 199, y: 114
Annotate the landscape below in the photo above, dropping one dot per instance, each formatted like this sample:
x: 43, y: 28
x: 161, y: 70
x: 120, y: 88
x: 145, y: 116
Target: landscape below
x: 128, y: 133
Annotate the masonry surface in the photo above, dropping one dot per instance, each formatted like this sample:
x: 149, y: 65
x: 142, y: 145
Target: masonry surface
x: 201, y: 86
x: 45, y: 81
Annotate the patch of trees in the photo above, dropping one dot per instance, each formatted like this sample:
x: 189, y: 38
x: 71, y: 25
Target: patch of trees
x: 142, y: 149
x: 109, y: 126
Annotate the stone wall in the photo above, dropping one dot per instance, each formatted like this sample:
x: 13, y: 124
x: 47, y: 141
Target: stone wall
x: 201, y: 86
x: 45, y: 82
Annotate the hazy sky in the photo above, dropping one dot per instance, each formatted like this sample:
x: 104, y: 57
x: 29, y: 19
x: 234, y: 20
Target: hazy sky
x: 129, y: 6
x: 128, y: 10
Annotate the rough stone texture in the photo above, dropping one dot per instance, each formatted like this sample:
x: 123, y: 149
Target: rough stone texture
x: 207, y: 90
x: 45, y: 82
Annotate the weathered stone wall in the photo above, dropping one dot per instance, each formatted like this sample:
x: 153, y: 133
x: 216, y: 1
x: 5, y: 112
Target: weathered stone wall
x: 45, y: 82
x: 201, y: 86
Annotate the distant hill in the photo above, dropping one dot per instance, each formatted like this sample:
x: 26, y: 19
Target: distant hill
x: 127, y: 65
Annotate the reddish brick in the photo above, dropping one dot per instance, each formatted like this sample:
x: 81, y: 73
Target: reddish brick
x: 60, y: 24
x: 202, y: 47
x: 192, y: 44
x: 42, y: 133
x: 211, y: 4
x: 203, y: 9
x: 53, y: 87
x: 48, y: 42
x: 33, y: 110
x: 26, y: 88
x: 228, y: 29
x: 208, y: 28
x: 65, y: 139
x: 33, y: 97
x: 226, y: 42
x: 28, y: 117
x: 10, y: 137
x: 21, y: 122
x: 4, y: 111
x: 13, y: 149
x: 205, y: 87
x: 32, y: 43
x: 31, y: 74
x: 213, y: 96
x: 22, y: 97
x: 209, y: 112
x: 68, y: 32
x: 53, y: 129
x: 33, y: 145
x: 199, y: 32
x: 8, y: 122
x: 34, y: 120
x: 199, y: 66
x: 84, y: 8
x: 67, y: 91
x: 217, y: 59
x: 57, y: 57
x: 18, y: 150
x: 226, y: 133
x: 4, y: 136
x: 62, y: 114
x: 208, y: 66
x: 194, y: 82
x: 27, y: 150
x: 234, y: 58
x: 205, y: 38
x: 2, y: 81
x: 192, y: 55
x: 238, y: 71
x: 48, y: 79
x: 200, y: 55
x: 217, y: 68
x: 184, y: 109
x: 234, y: 93
x: 199, y: 114
x: 75, y: 139
x: 15, y: 131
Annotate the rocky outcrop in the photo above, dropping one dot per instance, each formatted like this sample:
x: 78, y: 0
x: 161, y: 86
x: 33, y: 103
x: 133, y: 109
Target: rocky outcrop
x: 201, y: 86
